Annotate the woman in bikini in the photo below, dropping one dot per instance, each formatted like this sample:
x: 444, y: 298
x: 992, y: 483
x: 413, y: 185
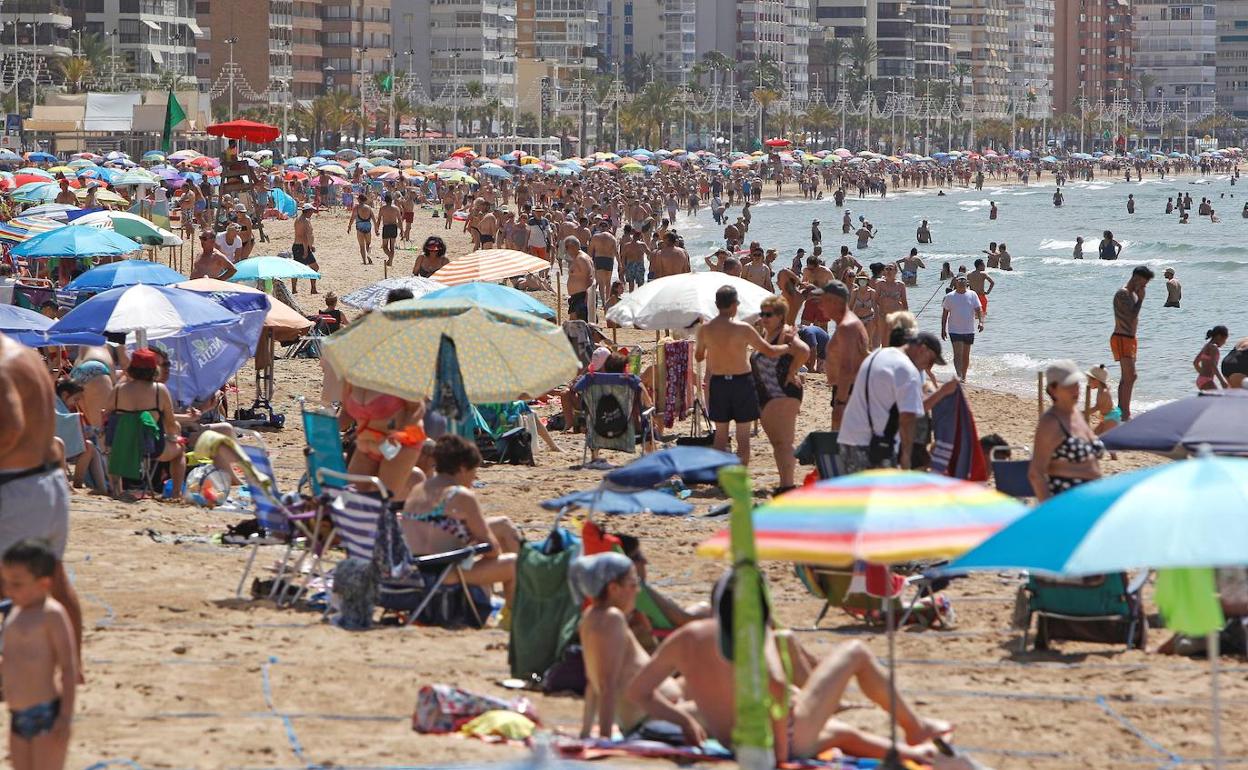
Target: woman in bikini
x: 443, y: 514
x: 362, y: 220
x: 779, y: 386
x: 1208, y: 375
x: 245, y: 232
x: 890, y: 297
x: 388, y: 436
x: 1066, y: 452
x: 864, y: 301
x: 432, y: 257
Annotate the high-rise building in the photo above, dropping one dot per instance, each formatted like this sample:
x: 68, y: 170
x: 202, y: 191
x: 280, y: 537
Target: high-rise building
x: 256, y: 47
x: 148, y: 39
x: 1232, y: 57
x: 1030, y: 35
x: 894, y: 44
x: 558, y: 32
x: 777, y: 31
x: 1092, y: 52
x: 355, y: 40
x: 43, y: 29
x: 663, y: 30
x: 1175, y: 50
x: 472, y: 53
x: 931, y: 39
x: 978, y: 34
x: 715, y: 22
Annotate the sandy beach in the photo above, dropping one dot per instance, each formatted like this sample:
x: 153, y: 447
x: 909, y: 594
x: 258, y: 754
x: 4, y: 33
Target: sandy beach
x: 181, y: 674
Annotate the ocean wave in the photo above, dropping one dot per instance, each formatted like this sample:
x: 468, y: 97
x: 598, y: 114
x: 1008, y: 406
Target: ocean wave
x: 1106, y: 263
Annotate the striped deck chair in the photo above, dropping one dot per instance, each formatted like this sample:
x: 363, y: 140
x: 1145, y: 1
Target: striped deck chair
x: 280, y: 524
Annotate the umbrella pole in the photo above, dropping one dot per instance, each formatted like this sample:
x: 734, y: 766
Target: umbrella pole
x: 1214, y: 654
x: 892, y: 761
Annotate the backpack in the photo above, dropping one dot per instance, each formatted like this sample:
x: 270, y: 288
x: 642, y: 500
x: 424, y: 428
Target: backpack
x: 610, y: 419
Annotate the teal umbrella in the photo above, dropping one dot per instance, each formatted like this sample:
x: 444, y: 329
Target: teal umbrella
x: 271, y: 269
x: 75, y: 242
x: 494, y: 295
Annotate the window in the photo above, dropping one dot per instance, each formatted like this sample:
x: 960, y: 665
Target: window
x: 202, y: 7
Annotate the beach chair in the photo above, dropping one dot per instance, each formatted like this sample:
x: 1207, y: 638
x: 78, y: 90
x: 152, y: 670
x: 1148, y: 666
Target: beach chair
x: 322, y: 447
x: 1010, y: 474
x: 1098, y: 608
x: 819, y: 449
x: 863, y: 591
x: 544, y: 615
x: 283, y: 524
x: 417, y: 586
x: 613, y: 414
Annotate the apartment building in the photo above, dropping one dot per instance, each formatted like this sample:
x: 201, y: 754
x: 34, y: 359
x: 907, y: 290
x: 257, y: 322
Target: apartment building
x: 1030, y: 60
x: 258, y: 37
x: 1176, y: 49
x: 355, y: 41
x: 1092, y: 51
x: 153, y: 38
x: 978, y: 37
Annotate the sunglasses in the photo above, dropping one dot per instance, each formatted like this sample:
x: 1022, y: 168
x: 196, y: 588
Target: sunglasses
x: 769, y: 314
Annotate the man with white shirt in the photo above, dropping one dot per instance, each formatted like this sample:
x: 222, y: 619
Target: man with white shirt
x: 230, y: 242
x: 886, y: 400
x: 962, y: 316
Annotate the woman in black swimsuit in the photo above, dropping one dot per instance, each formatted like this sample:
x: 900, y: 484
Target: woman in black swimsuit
x: 779, y: 386
x: 432, y: 257
x: 1066, y: 452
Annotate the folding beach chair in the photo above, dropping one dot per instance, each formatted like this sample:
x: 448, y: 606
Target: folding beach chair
x: 283, y: 525
x: 613, y: 414
x: 819, y: 449
x: 1098, y: 608
x: 1010, y: 474
x: 863, y: 591
x: 323, y: 446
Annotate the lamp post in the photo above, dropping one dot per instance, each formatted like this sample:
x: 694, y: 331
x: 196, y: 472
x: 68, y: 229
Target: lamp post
x: 230, y: 41
x: 455, y: 96
x: 362, y: 50
x: 329, y: 86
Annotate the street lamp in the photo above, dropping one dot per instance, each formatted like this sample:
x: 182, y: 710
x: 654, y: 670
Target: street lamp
x: 230, y: 41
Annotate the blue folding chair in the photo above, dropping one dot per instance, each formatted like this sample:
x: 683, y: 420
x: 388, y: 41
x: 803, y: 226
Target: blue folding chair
x: 323, y: 446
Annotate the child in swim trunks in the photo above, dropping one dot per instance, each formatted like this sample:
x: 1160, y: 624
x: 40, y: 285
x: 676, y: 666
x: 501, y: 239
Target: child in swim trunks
x: 38, y: 643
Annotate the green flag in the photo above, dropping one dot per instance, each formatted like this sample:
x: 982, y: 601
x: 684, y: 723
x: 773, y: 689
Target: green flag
x: 174, y: 114
x: 387, y: 83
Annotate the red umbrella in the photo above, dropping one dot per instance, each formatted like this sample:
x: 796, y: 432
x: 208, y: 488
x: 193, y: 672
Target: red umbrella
x: 670, y: 163
x: 245, y: 129
x: 777, y: 143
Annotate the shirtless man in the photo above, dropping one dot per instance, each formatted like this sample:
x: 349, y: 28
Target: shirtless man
x: 34, y: 493
x: 1003, y: 258
x: 733, y: 235
x: 815, y: 274
x: 391, y: 217
x: 757, y: 272
x: 700, y: 653
x: 843, y: 263
x: 1174, y: 290
x: 848, y: 347
x: 66, y: 196
x: 211, y: 263
x: 304, y: 249
x: 580, y: 278
x: 633, y: 255
x: 981, y: 283
x: 724, y: 343
x: 670, y: 259
x: 487, y: 227
x: 603, y: 250
x: 1122, y: 343
x: 910, y: 266
x: 407, y: 204
x: 865, y: 234
x: 924, y: 233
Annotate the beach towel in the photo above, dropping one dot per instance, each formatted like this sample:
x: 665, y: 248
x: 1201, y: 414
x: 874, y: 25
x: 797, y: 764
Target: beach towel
x: 450, y: 398
x: 1188, y: 600
x: 676, y: 381
x: 442, y: 708
x: 131, y: 437
x: 956, y: 451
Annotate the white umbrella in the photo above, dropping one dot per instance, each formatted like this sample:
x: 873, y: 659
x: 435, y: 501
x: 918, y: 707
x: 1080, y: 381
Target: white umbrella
x: 374, y: 295
x: 131, y: 226
x: 679, y: 301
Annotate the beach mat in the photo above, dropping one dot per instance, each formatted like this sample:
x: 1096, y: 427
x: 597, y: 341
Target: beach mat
x: 712, y: 751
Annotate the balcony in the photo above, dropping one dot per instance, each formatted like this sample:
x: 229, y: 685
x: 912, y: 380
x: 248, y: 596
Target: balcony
x: 40, y: 12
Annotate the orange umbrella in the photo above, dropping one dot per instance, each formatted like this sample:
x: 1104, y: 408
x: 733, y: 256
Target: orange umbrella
x: 489, y: 265
x: 282, y: 320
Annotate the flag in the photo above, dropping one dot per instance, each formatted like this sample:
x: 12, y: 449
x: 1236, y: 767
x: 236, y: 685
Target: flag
x: 174, y: 114
x: 387, y: 83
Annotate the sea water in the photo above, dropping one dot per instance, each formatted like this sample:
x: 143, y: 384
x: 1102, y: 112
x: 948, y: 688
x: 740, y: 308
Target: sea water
x: 1050, y: 306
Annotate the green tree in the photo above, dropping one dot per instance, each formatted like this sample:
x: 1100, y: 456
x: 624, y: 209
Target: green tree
x: 863, y: 53
x: 74, y: 71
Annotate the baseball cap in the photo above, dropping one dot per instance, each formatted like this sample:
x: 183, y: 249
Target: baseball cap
x: 307, y: 207
x: 932, y: 343
x: 961, y: 278
x: 837, y: 289
x: 144, y: 358
x: 599, y: 358
x: 1064, y: 372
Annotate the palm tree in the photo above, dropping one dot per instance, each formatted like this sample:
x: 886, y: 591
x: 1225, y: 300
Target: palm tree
x: 600, y: 86
x: 819, y: 118
x: 475, y: 90
x: 317, y: 116
x: 765, y: 98
x: 862, y: 54
x: 638, y: 71
x: 74, y: 70
x: 95, y: 50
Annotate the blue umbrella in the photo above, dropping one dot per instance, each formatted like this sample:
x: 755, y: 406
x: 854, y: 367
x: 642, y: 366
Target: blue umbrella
x: 160, y: 310
x: 125, y: 273
x: 324, y: 153
x: 619, y: 502
x: 75, y: 242
x: 204, y: 359
x: 494, y: 295
x: 31, y: 329
x: 8, y: 156
x: 271, y: 268
x: 36, y: 192
x: 1216, y: 418
x: 41, y: 157
x: 498, y: 172
x: 693, y: 464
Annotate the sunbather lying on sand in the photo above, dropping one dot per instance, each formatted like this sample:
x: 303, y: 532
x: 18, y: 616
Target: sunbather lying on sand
x: 701, y: 655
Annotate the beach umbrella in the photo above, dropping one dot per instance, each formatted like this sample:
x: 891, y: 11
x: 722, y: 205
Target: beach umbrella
x: 777, y: 142
x: 489, y: 265
x: 621, y: 502
x: 271, y: 269
x: 51, y: 210
x: 669, y: 163
x: 494, y: 295
x: 331, y: 168
x: 503, y: 354
x: 31, y: 329
x: 283, y: 321
x: 1186, y: 514
x: 248, y: 130
x: 186, y: 154
x: 41, y: 157
x: 498, y: 172
x: 36, y: 192
x: 374, y: 295
x: 131, y: 226
x: 75, y: 242
x: 23, y: 228
x: 8, y: 156
x: 691, y: 464
x: 102, y: 196
x: 679, y: 301
x: 1214, y: 418
x: 880, y: 516
x: 134, y: 178
x: 158, y: 310
x: 127, y: 272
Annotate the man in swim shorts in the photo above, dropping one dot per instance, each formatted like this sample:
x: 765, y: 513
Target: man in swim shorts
x: 1122, y: 343
x: 304, y: 249
x: 580, y: 278
x: 724, y: 343
x: 603, y: 249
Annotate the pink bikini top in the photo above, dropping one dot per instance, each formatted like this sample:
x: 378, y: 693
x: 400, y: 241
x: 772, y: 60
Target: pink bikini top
x: 380, y: 407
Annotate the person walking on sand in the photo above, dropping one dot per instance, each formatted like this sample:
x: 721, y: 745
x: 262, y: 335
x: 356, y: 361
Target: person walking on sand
x: 960, y: 318
x: 724, y: 343
x: 1174, y: 290
x: 1206, y: 361
x: 1122, y: 343
x: 391, y: 217
x: 849, y: 345
x: 40, y: 664
x: 362, y: 220
x: 304, y: 249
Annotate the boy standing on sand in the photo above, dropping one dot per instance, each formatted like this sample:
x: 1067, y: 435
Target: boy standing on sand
x: 38, y: 642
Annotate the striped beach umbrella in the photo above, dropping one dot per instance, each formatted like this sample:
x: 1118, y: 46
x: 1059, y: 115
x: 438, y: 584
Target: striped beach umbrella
x: 883, y: 517
x: 489, y: 265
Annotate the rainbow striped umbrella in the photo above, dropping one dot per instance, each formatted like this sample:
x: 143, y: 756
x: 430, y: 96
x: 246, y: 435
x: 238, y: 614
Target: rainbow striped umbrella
x: 882, y: 516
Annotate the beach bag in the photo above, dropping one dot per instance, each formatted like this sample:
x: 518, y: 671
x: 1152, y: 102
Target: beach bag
x: 610, y: 419
x: 442, y: 708
x: 515, y: 447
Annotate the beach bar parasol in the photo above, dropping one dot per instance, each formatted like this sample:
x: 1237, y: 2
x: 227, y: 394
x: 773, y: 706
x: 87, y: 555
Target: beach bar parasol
x: 489, y: 265
x: 248, y: 130
x: 1186, y: 514
x: 502, y: 354
x: 879, y: 516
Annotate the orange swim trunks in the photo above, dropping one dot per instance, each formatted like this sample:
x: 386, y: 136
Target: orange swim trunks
x: 983, y: 301
x: 1123, y: 346
x: 813, y: 313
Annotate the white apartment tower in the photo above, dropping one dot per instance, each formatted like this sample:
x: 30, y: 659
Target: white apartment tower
x: 1030, y: 35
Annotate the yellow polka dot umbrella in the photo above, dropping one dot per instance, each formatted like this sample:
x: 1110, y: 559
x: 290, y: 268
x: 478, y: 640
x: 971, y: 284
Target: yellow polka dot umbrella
x: 503, y: 354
